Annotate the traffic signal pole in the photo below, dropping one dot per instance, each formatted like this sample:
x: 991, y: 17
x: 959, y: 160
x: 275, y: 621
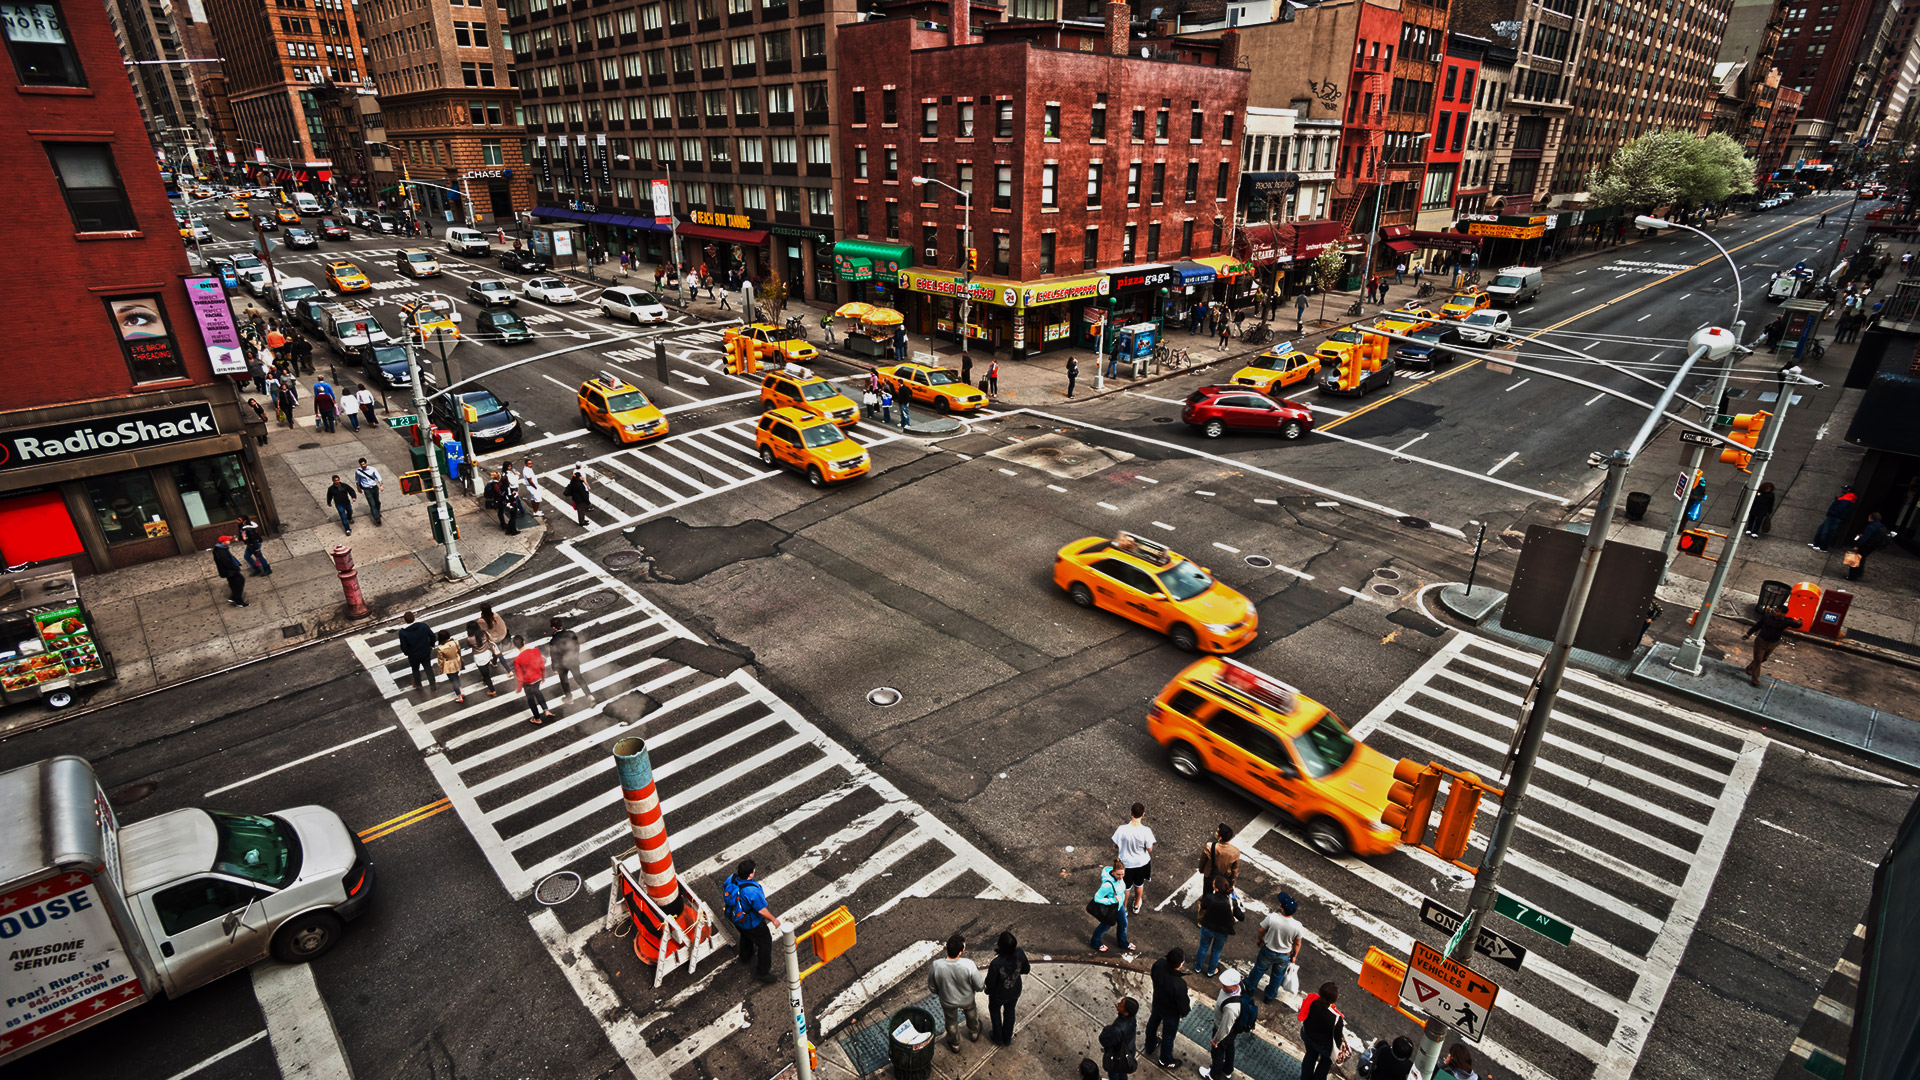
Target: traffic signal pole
x: 456, y: 567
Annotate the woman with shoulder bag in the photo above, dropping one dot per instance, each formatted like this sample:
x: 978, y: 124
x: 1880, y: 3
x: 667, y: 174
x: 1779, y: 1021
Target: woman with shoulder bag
x: 446, y: 654
x: 483, y: 654
x: 1106, y: 907
x: 1003, y: 987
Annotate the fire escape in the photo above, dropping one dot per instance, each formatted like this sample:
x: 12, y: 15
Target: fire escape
x: 1364, y: 136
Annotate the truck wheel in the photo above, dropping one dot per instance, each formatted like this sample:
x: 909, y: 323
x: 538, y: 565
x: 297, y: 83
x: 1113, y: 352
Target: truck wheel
x: 1327, y: 837
x: 307, y: 937
x: 814, y: 477
x: 1185, y: 761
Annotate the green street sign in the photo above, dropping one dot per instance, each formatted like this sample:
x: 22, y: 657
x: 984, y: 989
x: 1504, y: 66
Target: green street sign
x: 1541, y: 923
x: 403, y: 420
x: 1722, y: 420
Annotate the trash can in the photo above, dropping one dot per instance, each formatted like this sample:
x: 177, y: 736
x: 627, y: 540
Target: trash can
x: 910, y: 1043
x: 1637, y: 503
x: 1773, y: 594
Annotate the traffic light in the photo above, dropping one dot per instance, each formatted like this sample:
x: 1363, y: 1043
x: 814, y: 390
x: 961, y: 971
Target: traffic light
x: 1746, y: 431
x: 973, y: 260
x: 1456, y: 818
x: 740, y: 356
x: 1693, y: 542
x: 1382, y: 974
x: 1410, y: 800
x: 1350, y: 370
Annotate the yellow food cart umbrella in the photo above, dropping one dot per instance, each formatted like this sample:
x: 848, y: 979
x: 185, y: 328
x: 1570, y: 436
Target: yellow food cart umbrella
x: 853, y: 310
x: 883, y: 317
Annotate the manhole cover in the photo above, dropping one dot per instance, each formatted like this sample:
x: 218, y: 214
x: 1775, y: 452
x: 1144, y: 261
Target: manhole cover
x: 308, y: 446
x: 1416, y: 523
x: 885, y: 697
x: 1384, y: 589
x: 1513, y: 540
x: 557, y: 888
x: 625, y: 559
x: 1163, y: 419
x: 1259, y: 562
x: 1388, y: 573
x: 132, y: 793
x: 596, y: 599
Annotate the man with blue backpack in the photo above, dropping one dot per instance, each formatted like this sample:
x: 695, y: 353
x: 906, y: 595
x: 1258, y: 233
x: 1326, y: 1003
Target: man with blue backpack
x: 747, y: 911
x: 1234, y: 1012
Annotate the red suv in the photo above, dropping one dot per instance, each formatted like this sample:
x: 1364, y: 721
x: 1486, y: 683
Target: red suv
x: 1215, y: 410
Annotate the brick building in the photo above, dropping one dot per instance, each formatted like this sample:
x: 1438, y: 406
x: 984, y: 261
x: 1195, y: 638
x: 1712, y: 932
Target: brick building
x: 1549, y: 40
x: 1477, y: 156
x: 119, y: 443
x: 277, y: 54
x: 223, y: 145
x: 1453, y: 129
x: 1106, y: 179
x: 450, y: 107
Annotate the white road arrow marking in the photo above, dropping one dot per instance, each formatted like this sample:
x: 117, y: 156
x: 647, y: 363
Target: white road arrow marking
x: 698, y: 380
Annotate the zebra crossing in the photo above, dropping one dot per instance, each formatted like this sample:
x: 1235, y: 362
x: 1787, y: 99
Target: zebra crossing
x: 1632, y: 806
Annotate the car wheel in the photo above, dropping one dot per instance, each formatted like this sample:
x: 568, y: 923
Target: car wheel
x: 1184, y: 638
x: 307, y: 937
x: 814, y: 477
x: 1186, y: 761
x: 766, y: 456
x: 585, y: 420
x: 1327, y: 837
x: 1214, y: 429
x: 1292, y: 430
x: 943, y: 405
x: 766, y: 404
x: 1080, y: 594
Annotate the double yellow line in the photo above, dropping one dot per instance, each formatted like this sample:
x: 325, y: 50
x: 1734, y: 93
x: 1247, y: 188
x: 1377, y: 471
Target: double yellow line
x: 1714, y: 260
x: 411, y: 817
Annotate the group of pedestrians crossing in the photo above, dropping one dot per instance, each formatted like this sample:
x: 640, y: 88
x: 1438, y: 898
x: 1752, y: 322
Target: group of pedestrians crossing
x: 491, y: 649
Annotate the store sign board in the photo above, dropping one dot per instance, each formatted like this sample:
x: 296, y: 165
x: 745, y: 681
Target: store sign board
x: 215, y: 315
x: 96, y: 436
x: 943, y: 285
x: 1140, y: 280
x: 1058, y: 291
x: 1507, y: 232
x: 725, y: 221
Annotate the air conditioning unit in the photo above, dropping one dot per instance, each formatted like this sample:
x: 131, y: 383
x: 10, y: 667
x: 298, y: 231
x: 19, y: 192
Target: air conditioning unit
x: 933, y: 254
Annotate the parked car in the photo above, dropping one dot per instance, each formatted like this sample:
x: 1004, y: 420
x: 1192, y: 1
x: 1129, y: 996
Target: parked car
x: 476, y: 415
x: 523, y: 262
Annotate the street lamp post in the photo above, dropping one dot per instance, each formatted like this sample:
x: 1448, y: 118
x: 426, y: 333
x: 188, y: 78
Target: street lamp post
x: 966, y: 272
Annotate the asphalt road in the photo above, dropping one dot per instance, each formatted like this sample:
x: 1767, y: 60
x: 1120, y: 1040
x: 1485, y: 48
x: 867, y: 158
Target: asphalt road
x: 738, y: 619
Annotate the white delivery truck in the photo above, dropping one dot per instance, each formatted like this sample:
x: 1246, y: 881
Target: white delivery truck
x: 307, y: 203
x: 96, y: 917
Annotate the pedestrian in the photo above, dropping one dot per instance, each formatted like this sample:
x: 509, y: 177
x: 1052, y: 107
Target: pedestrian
x: 993, y: 379
x: 1218, y: 911
x: 563, y: 648
x: 1384, y: 1061
x: 578, y: 495
x: 252, y: 535
x: 1400, y: 271
x: 530, y: 670
x: 1772, y: 625
x: 1323, y: 1031
x: 1133, y: 842
x: 1760, y: 517
x: 1003, y: 987
x: 1108, y: 906
x: 367, y: 478
x: 1458, y: 1064
x: 1117, y: 1054
x: 1199, y: 317
x: 340, y: 497
x: 906, y: 404
x: 1171, y: 1003
x: 485, y: 654
x: 1225, y: 334
x: 1234, y: 1012
x: 746, y: 905
x: 228, y: 567
x: 869, y: 403
x: 1300, y: 313
x: 446, y: 657
x: 966, y: 368
x: 288, y: 402
x: 1823, y: 221
x: 1418, y: 268
x: 1280, y: 937
x: 1838, y: 514
x: 512, y: 510
x: 956, y: 981
x: 1771, y: 334
x: 1073, y: 373
x: 1871, y: 539
x: 530, y: 488
x: 363, y: 397
x: 1219, y: 858
x: 886, y: 405
x: 259, y: 416
x: 416, y: 642
x: 323, y: 407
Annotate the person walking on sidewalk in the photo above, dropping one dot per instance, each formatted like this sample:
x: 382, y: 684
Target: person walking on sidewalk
x: 252, y: 535
x: 1760, y: 518
x: 228, y: 567
x: 578, y: 495
x: 363, y: 397
x: 1280, y: 936
x: 1837, y: 516
x: 530, y: 670
x: 1300, y: 314
x: 1171, y: 1003
x: 1871, y: 539
x: 906, y: 405
x: 1003, y: 987
x: 1234, y: 1012
x: 1218, y: 911
x: 367, y: 479
x: 993, y: 379
x: 1766, y: 633
x: 340, y: 497
x: 1323, y: 1030
x: 1117, y: 1055
x: 746, y: 906
x: 446, y: 657
x: 1133, y: 842
x: 416, y: 643
x: 1219, y: 858
x: 1073, y: 373
x: 563, y: 648
x: 324, y: 408
x: 966, y: 368
x: 956, y: 981
x: 1226, y: 334
x: 1110, y: 908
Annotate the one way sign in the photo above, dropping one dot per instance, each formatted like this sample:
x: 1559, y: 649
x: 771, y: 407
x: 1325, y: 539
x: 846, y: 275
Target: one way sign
x: 1452, y: 992
x: 1488, y: 944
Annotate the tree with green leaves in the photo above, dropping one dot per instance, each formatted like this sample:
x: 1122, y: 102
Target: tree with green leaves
x: 1674, y: 168
x: 1328, y: 267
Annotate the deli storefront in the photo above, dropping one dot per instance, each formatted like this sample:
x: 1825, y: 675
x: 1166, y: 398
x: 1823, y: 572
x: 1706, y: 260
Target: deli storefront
x: 1024, y: 318
x: 137, y: 479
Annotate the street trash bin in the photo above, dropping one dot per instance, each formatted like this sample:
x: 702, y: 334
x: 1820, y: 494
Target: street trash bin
x: 910, y: 1043
x: 1773, y: 594
x: 1831, y: 615
x: 1802, y: 603
x: 1637, y: 503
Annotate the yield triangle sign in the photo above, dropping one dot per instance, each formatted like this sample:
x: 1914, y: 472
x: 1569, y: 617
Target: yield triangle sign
x: 1424, y: 992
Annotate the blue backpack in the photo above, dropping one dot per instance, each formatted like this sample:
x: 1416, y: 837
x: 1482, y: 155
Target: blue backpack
x: 1249, y: 1015
x: 737, y: 910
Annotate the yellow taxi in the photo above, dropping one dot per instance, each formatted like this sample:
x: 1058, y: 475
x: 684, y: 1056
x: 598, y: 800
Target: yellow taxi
x: 1157, y: 588
x: 1222, y: 718
x: 620, y: 409
x: 202, y: 193
x: 800, y: 440
x: 1464, y: 303
x: 935, y: 386
x: 347, y: 277
x: 287, y: 216
x: 808, y: 393
x: 1417, y: 309
x: 425, y: 325
x: 1281, y: 366
x: 1399, y: 322
x: 771, y: 342
x: 238, y: 213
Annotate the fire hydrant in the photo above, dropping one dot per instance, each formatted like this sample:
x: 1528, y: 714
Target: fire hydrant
x: 350, y: 582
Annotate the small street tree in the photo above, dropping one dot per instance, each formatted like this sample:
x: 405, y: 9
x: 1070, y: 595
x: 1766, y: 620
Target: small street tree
x: 1327, y: 268
x: 1674, y: 168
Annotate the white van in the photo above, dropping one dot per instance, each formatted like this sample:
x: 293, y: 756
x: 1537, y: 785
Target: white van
x: 467, y: 242
x: 306, y: 202
x: 634, y: 305
x: 1515, y: 285
x: 289, y: 290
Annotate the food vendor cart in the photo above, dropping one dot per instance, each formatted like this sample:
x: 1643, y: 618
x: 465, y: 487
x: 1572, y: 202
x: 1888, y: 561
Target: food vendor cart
x: 875, y: 334
x: 48, y: 645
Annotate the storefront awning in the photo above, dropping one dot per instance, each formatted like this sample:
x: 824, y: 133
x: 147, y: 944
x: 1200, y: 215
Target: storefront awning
x: 1446, y: 241
x: 1263, y: 245
x: 1403, y: 247
x: 853, y: 267
x: 1394, y: 232
x: 1225, y: 267
x: 877, y: 252
x: 749, y: 237
x: 558, y: 213
x: 1310, y: 238
x: 1043, y: 293
x: 981, y: 290
x: 1191, y: 272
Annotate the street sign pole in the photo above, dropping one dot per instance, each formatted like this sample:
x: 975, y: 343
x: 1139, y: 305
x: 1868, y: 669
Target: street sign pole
x: 456, y: 569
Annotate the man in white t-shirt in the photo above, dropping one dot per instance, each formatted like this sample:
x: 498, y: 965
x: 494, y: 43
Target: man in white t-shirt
x: 1280, y: 935
x: 1135, y: 844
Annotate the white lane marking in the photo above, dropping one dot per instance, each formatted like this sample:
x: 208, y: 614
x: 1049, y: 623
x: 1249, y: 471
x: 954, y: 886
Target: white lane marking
x: 721, y: 400
x: 1358, y: 595
x: 1326, y: 504
x: 1502, y: 462
x: 683, y: 1052
x: 1579, y: 290
x: 1008, y: 472
x: 1592, y: 345
x: 302, y: 761
x: 1410, y: 442
x: 969, y: 457
x: 1814, y: 843
x: 1268, y: 502
x: 1301, y: 574
x: 1056, y: 487
x: 1448, y: 529
x: 548, y: 441
x: 1106, y: 506
x: 299, y: 1026
x: 1594, y: 398
x: 1163, y: 525
x: 1146, y: 479
x: 1444, y: 467
x: 228, y: 1052
x: 1150, y: 397
x: 622, y: 1027
x: 1207, y: 493
x: 568, y: 387
x: 876, y: 981
x: 1645, y: 317
x: 1685, y: 295
x: 1519, y: 384
x: 1577, y: 273
x: 1229, y: 549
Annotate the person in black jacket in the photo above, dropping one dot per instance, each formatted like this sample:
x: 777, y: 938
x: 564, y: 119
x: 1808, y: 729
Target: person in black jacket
x: 1116, y: 1041
x: 1871, y: 539
x: 1171, y: 1004
x: 340, y: 496
x: 1218, y: 911
x: 1762, y: 510
x: 416, y: 641
x: 1389, y: 1062
x: 228, y: 567
x: 1003, y: 987
x: 1321, y: 1033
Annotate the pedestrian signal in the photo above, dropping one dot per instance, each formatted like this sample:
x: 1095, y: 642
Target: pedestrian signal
x: 413, y: 483
x: 1746, y: 431
x: 1693, y: 542
x: 1456, y: 819
x: 1410, y: 802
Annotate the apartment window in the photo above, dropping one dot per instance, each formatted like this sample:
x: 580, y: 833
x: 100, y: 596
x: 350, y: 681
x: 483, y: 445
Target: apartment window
x: 1158, y: 192
x: 820, y: 202
x: 710, y: 56
x: 753, y: 197
x: 1140, y: 123
x: 1226, y: 128
x: 813, y: 41
x: 746, y: 104
x: 752, y: 151
x: 1003, y: 187
x: 1193, y: 180
x: 1160, y: 124
x: 860, y: 217
x: 1466, y: 85
x: 92, y: 187
x: 1097, y: 123
x: 1186, y: 238
x: 930, y: 193
x: 966, y: 119
x: 1093, y: 186
x: 859, y: 107
x: 1440, y: 129
x: 1090, y: 251
x: 717, y: 150
x: 682, y: 59
x: 1127, y: 238
x: 859, y: 163
x: 1133, y: 184
x: 715, y: 103
x: 1046, y: 252
x: 779, y: 47
x: 740, y: 51
x: 929, y: 121
x: 1049, y: 184
x: 1199, y: 125
x: 889, y: 107
x: 1003, y: 254
x: 1153, y: 241
x: 1003, y: 119
x: 472, y: 35
x: 473, y: 74
x: 893, y: 220
x: 686, y: 105
x: 893, y: 164
x: 650, y: 17
x: 42, y: 51
x: 819, y: 149
x: 930, y: 242
x: 1217, y: 222
x: 484, y: 113
x: 963, y: 179
x: 785, y: 149
x: 1051, y: 123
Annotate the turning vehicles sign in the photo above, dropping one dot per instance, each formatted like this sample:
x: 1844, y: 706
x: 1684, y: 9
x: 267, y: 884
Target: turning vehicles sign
x: 1453, y: 992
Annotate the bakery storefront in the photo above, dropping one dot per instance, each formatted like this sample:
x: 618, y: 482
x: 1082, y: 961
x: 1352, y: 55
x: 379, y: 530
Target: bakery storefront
x: 111, y: 484
x: 1056, y: 315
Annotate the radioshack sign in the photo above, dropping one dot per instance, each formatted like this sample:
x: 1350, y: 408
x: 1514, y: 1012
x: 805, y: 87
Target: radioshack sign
x: 95, y: 436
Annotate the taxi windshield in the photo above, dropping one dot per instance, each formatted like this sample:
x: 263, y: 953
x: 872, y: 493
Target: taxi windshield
x: 256, y: 848
x: 1466, y: 300
x: 1351, y: 337
x: 1266, y: 363
x: 822, y: 435
x: 1185, y: 581
x: 1324, y: 747
x: 939, y: 377
x: 818, y: 391
x: 346, y: 270
x: 627, y: 402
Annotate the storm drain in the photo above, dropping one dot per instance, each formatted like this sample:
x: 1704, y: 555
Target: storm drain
x: 624, y: 559
x: 293, y: 631
x: 557, y: 888
x: 886, y: 697
x: 1163, y: 419
x: 1259, y: 562
x: 1416, y: 523
x: 1384, y: 589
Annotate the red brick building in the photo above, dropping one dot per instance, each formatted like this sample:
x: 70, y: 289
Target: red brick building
x: 1103, y: 180
x: 119, y: 443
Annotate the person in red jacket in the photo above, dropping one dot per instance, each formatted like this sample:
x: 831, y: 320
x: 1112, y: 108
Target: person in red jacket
x: 530, y: 668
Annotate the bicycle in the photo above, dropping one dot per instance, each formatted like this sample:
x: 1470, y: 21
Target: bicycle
x: 1259, y: 335
x: 1425, y: 290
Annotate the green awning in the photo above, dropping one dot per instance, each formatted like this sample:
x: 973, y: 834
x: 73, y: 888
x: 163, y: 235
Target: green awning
x: 885, y: 260
x: 853, y: 268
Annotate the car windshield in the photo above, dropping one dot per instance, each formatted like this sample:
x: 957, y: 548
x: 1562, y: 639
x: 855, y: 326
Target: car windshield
x: 1324, y: 747
x: 1267, y: 363
x: 505, y: 320
x: 818, y: 391
x: 646, y: 299
x: 940, y: 377
x: 490, y: 286
x: 1509, y: 281
x: 384, y: 355
x: 296, y: 232
x: 627, y: 402
x: 419, y: 256
x: 1429, y: 337
x: 299, y: 292
x: 261, y: 849
x: 1349, y: 336
x: 482, y: 402
x: 1483, y: 318
x: 245, y: 262
x: 1465, y: 301
x: 1185, y: 581
x: 822, y: 435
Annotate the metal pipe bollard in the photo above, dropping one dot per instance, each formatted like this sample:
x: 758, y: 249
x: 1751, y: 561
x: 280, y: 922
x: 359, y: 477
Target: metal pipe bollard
x: 350, y: 582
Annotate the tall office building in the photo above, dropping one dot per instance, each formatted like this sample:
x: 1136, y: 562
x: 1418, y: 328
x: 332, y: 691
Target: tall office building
x: 279, y: 55
x: 163, y: 82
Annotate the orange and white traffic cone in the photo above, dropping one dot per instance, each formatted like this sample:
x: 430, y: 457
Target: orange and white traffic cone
x: 672, y: 926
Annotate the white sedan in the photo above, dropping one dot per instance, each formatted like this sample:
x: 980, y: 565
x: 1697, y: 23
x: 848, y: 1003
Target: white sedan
x: 1486, y: 324
x: 549, y: 290
x: 491, y: 292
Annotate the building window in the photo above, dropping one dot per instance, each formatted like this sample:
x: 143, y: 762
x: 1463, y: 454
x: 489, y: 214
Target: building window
x: 819, y: 149
x: 1226, y: 128
x: 214, y: 489
x: 92, y: 187
x: 1160, y: 124
x: 1049, y: 185
x: 930, y: 193
x: 813, y: 41
x: 860, y: 216
x: 889, y: 107
x: 473, y: 35
x: 963, y: 179
x: 1097, y: 123
x: 746, y: 105
x: 1158, y: 192
x: 1220, y: 181
x: 1003, y: 254
x: 1003, y: 187
x: 778, y: 47
x: 785, y: 149
x: 1090, y: 251
x: 1133, y: 184
x: 930, y: 243
x: 1003, y: 119
x: 966, y: 119
x: 1046, y: 253
x: 140, y: 322
x: 893, y: 220
x: 1153, y: 242
x: 859, y: 163
x: 490, y: 152
x: 859, y: 107
x: 820, y: 202
x: 1127, y: 239
x: 1199, y: 125
x: 929, y: 121
x: 127, y: 507
x: 1186, y: 238
x: 1140, y: 123
x: 42, y: 51
x: 1093, y: 186
x: 1216, y: 235
x: 1051, y: 123
x: 893, y: 164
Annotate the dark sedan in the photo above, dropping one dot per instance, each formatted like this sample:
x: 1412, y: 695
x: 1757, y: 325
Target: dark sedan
x: 502, y: 326
x: 301, y: 238
x: 477, y: 417
x: 524, y: 262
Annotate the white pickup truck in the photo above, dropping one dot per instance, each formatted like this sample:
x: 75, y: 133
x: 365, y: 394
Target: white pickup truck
x: 96, y: 917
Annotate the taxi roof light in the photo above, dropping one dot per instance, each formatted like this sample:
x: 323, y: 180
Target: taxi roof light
x: 1156, y: 553
x: 1256, y: 684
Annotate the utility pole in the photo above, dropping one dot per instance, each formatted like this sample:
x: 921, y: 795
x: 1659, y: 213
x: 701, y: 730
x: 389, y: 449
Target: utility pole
x: 443, y: 512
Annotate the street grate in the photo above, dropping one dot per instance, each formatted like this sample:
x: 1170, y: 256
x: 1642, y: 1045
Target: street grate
x: 625, y: 559
x: 293, y: 631
x: 500, y: 565
x: 557, y: 888
x: 1252, y: 1055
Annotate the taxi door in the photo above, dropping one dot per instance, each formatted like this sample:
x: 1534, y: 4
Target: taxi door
x: 916, y: 386
x: 780, y: 392
x: 593, y: 404
x: 1124, y: 588
x: 785, y: 443
x: 1252, y: 757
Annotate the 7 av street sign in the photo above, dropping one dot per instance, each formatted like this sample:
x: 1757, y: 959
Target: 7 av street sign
x: 1537, y: 921
x: 1487, y: 944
